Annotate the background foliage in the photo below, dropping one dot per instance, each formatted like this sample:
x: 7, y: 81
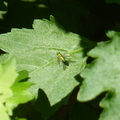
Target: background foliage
x: 32, y: 84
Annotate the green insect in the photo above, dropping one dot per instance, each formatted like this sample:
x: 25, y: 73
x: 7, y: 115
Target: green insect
x: 62, y: 59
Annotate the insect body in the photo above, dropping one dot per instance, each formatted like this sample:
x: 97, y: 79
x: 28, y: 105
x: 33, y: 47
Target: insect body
x: 62, y: 60
x: 60, y: 56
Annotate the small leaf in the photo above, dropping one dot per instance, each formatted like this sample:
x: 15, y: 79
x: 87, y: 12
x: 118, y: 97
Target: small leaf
x: 3, y: 113
x: 8, y: 75
x: 21, y: 94
x: 12, y: 90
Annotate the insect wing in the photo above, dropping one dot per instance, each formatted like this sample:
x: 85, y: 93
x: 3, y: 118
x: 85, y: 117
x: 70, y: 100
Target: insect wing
x: 64, y: 66
x: 59, y: 60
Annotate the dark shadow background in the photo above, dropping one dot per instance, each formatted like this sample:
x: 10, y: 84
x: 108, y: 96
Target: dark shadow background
x: 88, y: 18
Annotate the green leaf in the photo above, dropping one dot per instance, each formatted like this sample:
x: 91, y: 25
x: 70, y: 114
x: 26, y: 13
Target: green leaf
x: 8, y: 75
x: 35, y: 51
x: 21, y: 94
x: 3, y: 113
x: 3, y: 9
x: 12, y: 90
x: 102, y: 75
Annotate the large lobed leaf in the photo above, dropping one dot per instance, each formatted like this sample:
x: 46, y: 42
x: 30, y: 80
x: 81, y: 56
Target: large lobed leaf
x: 102, y: 75
x: 35, y: 51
